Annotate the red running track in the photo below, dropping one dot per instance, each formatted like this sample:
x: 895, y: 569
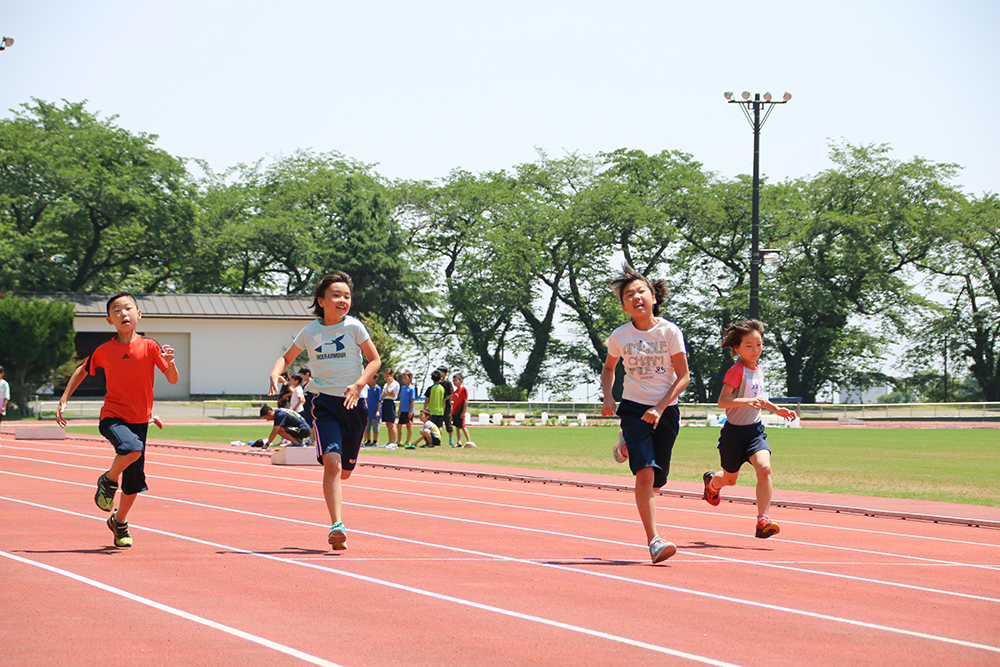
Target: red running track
x: 231, y: 566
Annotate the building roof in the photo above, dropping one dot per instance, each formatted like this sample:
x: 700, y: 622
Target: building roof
x: 205, y: 306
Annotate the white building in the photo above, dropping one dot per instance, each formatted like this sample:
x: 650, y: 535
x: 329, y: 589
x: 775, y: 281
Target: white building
x: 224, y: 344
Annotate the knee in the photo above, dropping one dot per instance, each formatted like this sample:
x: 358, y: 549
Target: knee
x: 764, y: 470
x: 345, y: 474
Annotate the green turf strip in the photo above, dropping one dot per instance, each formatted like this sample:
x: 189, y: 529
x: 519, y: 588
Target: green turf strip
x: 955, y: 465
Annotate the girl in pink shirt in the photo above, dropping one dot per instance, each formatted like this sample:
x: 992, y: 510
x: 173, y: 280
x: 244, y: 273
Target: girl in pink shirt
x: 743, y: 438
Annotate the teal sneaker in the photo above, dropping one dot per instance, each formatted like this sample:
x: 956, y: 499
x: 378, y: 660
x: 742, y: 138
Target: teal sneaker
x: 120, y: 530
x: 338, y: 536
x: 105, y: 496
x: 660, y: 550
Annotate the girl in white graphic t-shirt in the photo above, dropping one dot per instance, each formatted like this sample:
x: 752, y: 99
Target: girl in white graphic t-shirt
x: 656, y: 372
x: 743, y: 438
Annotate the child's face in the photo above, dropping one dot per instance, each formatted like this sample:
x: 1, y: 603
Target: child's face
x: 294, y: 382
x: 336, y: 302
x: 638, y: 300
x: 457, y: 381
x: 750, y: 348
x: 389, y: 377
x: 123, y: 314
x: 371, y: 381
x: 406, y: 379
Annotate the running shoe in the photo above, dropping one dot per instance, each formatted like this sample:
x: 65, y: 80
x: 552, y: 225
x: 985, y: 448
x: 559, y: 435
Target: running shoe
x: 766, y: 528
x: 338, y: 536
x: 660, y: 550
x: 711, y: 493
x: 120, y: 530
x: 105, y: 496
x: 620, y: 452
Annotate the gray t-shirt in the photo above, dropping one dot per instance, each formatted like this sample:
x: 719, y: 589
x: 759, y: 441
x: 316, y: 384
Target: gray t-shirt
x: 335, y: 357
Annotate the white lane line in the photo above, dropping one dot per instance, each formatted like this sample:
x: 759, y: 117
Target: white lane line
x: 267, y: 643
x: 557, y: 566
x: 687, y: 552
x: 366, y: 476
x: 360, y: 577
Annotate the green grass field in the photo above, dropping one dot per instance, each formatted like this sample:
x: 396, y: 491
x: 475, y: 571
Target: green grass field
x: 955, y: 465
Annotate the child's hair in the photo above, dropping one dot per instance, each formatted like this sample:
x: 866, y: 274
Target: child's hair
x: 457, y: 376
x: 425, y: 412
x: 305, y: 370
x: 265, y: 410
x: 436, y: 376
x: 388, y: 371
x: 628, y: 275
x: 115, y: 297
x: 406, y: 374
x: 1, y: 370
x: 297, y: 377
x: 324, y: 284
x: 733, y: 335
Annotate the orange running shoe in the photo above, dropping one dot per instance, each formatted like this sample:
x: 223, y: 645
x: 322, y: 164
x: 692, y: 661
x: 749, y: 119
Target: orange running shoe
x: 766, y: 528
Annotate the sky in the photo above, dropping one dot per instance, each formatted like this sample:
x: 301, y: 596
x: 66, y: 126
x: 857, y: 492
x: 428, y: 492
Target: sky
x: 421, y: 88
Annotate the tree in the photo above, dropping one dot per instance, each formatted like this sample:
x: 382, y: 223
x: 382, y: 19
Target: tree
x: 284, y: 226
x: 967, y: 261
x: 36, y: 337
x: 86, y: 205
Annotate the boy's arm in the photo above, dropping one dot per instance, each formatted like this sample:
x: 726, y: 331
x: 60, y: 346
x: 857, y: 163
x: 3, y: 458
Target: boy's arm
x: 74, y: 382
x: 171, y: 371
x: 607, y: 384
x: 283, y: 362
x: 352, y: 393
x: 274, y: 434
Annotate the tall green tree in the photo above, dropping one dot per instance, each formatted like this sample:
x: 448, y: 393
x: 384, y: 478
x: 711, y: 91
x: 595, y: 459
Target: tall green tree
x: 86, y: 205
x: 36, y: 337
x: 283, y: 226
x: 850, y: 238
x: 966, y: 257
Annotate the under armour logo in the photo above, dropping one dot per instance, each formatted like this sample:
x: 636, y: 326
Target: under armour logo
x: 335, y: 341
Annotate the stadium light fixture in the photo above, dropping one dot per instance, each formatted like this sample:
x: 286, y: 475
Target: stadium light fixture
x: 757, y: 255
x: 7, y: 41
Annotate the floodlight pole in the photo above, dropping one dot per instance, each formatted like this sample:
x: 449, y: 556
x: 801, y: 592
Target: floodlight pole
x: 756, y: 123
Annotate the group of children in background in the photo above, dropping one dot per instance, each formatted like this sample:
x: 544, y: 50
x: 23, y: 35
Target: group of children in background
x: 446, y: 407
x: 344, y: 363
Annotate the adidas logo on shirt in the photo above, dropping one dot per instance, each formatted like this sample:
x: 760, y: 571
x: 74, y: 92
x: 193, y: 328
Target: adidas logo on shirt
x: 125, y: 356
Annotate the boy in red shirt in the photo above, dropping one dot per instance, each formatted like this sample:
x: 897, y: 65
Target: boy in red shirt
x: 128, y: 360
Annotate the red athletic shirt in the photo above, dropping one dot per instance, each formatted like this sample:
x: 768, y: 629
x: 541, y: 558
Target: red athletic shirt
x: 458, y: 399
x: 128, y: 370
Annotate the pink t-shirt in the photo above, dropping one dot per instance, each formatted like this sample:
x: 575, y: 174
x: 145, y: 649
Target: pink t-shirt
x: 749, y: 383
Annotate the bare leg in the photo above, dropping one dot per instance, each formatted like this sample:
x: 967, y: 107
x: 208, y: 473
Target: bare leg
x: 645, y: 501
x: 762, y: 464
x: 125, y: 504
x: 332, y: 491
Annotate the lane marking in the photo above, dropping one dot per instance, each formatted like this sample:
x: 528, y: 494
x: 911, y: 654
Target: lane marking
x: 351, y: 575
x: 201, y: 620
x: 556, y: 566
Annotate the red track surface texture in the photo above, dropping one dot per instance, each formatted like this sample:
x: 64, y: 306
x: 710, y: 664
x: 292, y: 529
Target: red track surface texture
x: 231, y: 566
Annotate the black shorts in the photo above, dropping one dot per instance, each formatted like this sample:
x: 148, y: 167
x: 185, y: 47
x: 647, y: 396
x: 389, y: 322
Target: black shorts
x: 458, y: 420
x: 338, y: 430
x: 127, y: 439
x: 405, y: 418
x: 388, y: 410
x: 649, y: 447
x: 738, y: 443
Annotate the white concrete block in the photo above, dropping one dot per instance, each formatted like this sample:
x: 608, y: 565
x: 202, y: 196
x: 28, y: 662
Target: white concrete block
x: 40, y: 433
x: 294, y: 456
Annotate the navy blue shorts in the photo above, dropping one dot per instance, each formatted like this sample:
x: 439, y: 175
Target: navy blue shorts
x: 337, y: 429
x: 649, y: 447
x: 738, y: 443
x: 388, y: 411
x: 127, y: 439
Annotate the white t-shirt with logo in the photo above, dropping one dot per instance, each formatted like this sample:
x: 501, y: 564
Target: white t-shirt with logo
x: 335, y: 357
x: 647, y: 357
x: 4, y: 396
